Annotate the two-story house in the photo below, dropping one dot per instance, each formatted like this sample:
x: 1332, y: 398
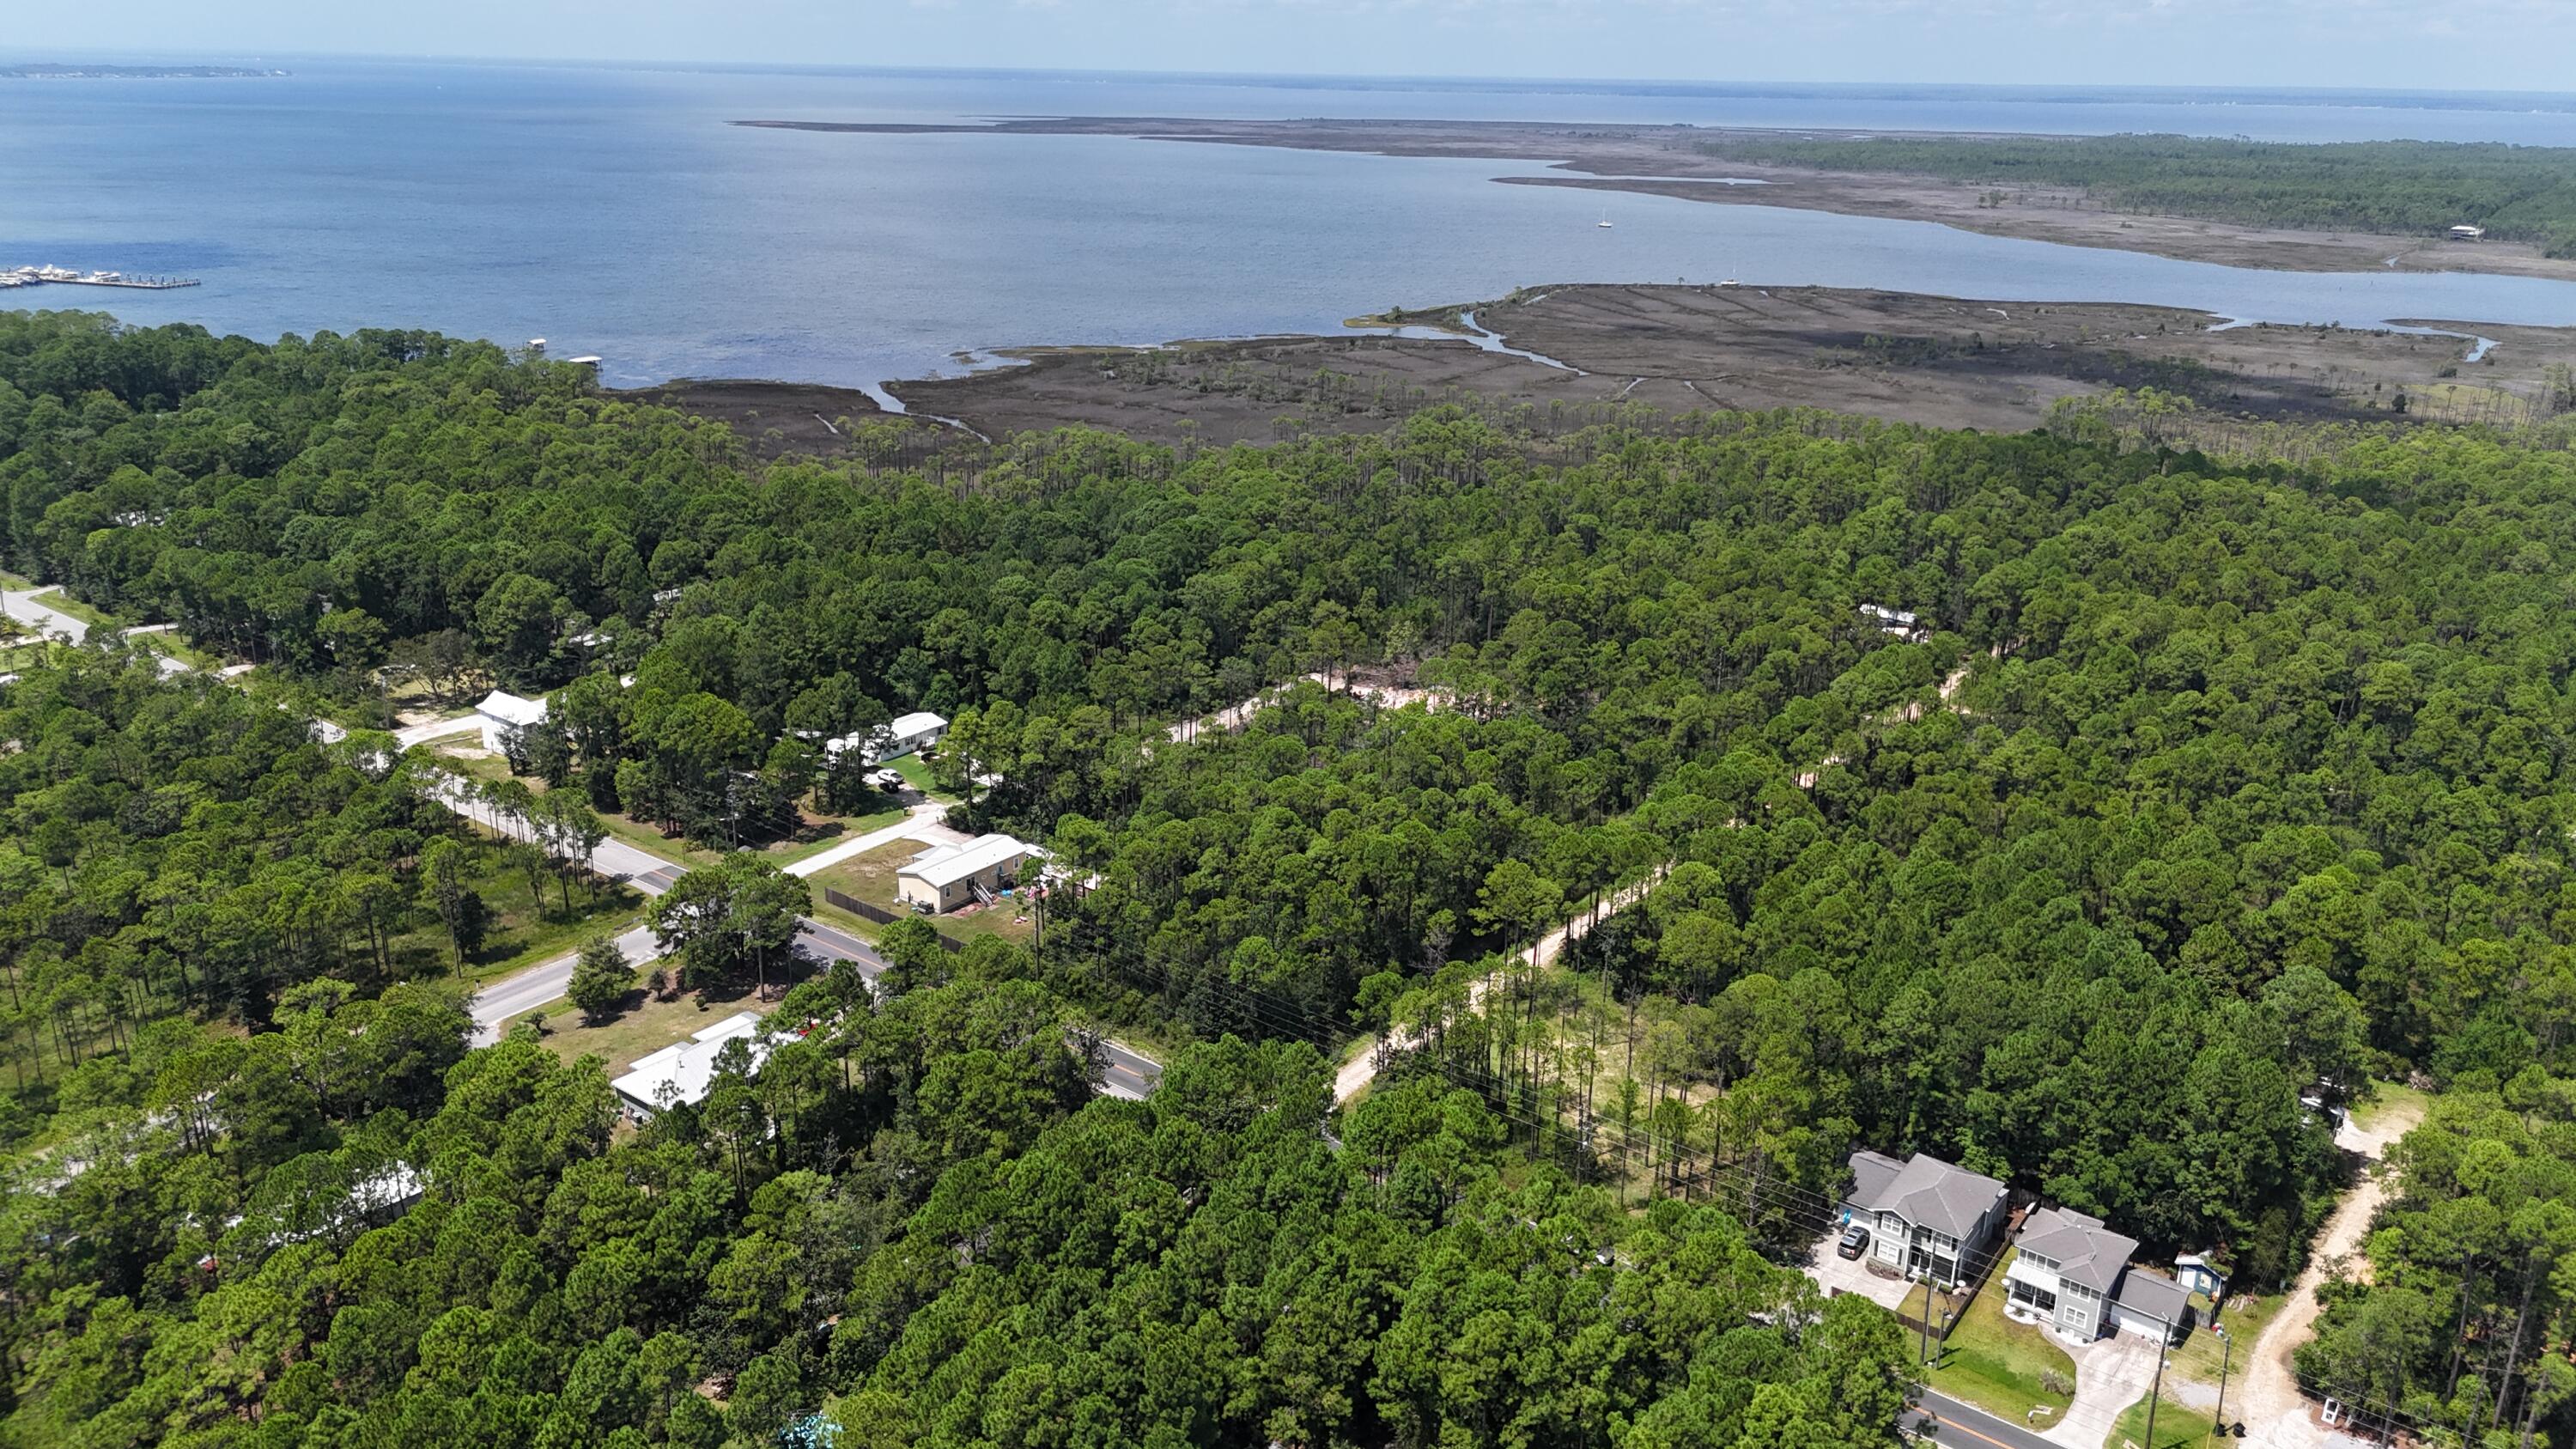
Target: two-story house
x: 2074, y: 1275
x: 1926, y: 1218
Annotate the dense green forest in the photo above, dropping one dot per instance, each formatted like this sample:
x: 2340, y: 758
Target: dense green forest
x: 181, y: 848
x: 2518, y: 193
x: 2210, y: 783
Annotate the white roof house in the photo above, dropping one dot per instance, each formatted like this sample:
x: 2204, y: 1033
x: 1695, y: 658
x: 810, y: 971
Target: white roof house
x: 919, y: 722
x: 910, y: 732
x: 947, y: 876
x: 501, y: 712
x: 917, y: 730
x: 685, y: 1073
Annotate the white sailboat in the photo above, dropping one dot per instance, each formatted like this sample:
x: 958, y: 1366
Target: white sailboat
x: 1605, y: 221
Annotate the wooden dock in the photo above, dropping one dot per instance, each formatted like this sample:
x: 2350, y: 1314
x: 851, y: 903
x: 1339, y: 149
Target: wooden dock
x: 146, y: 284
x: 35, y: 277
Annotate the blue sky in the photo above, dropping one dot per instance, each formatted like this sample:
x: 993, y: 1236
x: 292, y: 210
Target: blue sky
x: 2401, y: 44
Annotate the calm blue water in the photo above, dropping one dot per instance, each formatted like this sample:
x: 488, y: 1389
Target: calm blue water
x: 613, y: 211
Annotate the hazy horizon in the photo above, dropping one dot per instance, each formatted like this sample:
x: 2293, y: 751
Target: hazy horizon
x: 2480, y: 46
x: 281, y: 58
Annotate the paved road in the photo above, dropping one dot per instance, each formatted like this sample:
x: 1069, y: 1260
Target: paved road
x: 831, y: 943
x: 22, y: 606
x: 542, y: 983
x: 1130, y: 1073
x: 547, y: 980
x: 1961, y: 1425
x: 614, y: 859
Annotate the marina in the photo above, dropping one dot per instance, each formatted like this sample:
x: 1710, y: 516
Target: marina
x: 65, y: 276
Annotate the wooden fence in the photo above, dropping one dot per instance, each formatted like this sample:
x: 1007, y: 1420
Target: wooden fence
x: 870, y: 911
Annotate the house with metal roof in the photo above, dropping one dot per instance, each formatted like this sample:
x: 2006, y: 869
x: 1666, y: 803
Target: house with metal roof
x: 1927, y: 1218
x: 687, y: 1072
x: 2074, y: 1275
x: 911, y: 733
x: 945, y: 877
x: 501, y: 712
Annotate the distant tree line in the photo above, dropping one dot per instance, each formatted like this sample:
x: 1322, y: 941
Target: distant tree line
x: 2518, y: 193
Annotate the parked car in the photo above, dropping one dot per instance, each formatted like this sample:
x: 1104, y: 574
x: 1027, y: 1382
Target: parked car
x: 1855, y: 1238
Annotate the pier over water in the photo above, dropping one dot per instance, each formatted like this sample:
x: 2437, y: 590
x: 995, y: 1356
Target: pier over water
x: 66, y: 277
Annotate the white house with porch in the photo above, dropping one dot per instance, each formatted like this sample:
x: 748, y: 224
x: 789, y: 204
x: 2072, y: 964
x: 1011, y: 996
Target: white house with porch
x: 1926, y: 1218
x: 2074, y: 1275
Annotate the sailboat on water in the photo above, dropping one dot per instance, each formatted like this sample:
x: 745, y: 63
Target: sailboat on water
x: 1605, y: 221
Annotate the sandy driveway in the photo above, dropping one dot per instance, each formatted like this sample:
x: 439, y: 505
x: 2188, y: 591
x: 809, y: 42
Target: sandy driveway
x: 2272, y: 1407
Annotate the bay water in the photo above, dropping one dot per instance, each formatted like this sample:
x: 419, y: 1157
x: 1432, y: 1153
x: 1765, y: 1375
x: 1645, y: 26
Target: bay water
x: 615, y: 211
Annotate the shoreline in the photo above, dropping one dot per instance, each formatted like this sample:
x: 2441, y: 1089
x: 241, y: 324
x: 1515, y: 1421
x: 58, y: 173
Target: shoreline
x: 1659, y: 160
x: 1561, y: 357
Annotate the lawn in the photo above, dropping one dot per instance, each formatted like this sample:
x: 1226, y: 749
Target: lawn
x: 2177, y: 1427
x: 1994, y: 1363
x: 869, y: 876
x: 520, y: 936
x: 822, y: 832
x: 2386, y: 1099
x: 642, y: 1028
x: 2201, y: 1355
x: 914, y: 772
x: 166, y: 641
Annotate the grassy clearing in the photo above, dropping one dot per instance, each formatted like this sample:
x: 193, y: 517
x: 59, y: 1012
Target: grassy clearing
x: 822, y: 832
x: 869, y: 875
x: 2387, y: 1100
x: 13, y: 583
x: 521, y: 935
x: 168, y: 643
x: 818, y: 833
x: 2177, y: 1427
x: 643, y: 1027
x: 2201, y: 1355
x: 1996, y: 1364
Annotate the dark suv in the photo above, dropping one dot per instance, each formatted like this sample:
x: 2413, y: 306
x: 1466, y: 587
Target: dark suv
x: 1855, y: 1238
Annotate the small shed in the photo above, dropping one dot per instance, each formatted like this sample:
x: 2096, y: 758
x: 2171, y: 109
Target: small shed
x: 501, y: 712
x: 2198, y: 1275
x: 2465, y: 232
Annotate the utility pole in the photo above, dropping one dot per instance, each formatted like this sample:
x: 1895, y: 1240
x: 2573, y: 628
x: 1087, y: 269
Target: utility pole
x: 1926, y: 1322
x: 2164, y: 1350
x: 2226, y: 1351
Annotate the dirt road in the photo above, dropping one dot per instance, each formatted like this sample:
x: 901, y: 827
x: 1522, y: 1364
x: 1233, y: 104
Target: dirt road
x: 1359, y: 1071
x: 2271, y: 1405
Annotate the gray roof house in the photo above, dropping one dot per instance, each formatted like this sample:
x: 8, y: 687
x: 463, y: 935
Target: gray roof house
x: 2074, y: 1275
x: 1925, y: 1216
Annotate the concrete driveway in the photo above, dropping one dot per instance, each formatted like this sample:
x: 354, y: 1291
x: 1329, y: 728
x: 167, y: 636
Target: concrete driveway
x: 1837, y: 1275
x: 2110, y: 1375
